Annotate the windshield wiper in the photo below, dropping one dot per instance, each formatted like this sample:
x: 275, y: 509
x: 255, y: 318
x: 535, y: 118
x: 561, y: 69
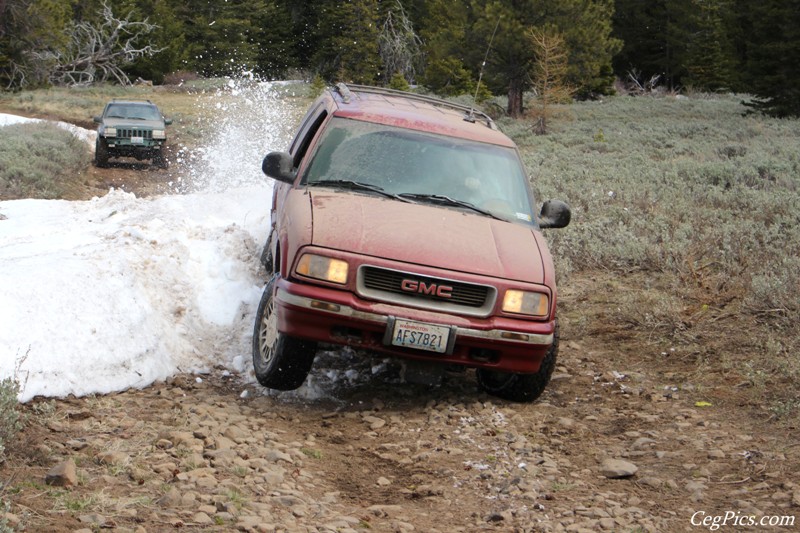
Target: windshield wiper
x: 360, y: 186
x: 446, y: 200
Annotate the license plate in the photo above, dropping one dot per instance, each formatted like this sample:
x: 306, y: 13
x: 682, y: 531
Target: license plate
x: 137, y: 140
x: 420, y: 335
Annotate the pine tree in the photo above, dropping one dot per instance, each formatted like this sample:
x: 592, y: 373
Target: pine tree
x: 584, y: 24
x: 348, y: 40
x: 772, y: 56
x: 27, y: 25
x: 275, y: 40
x: 709, y: 53
x: 221, y: 37
x: 169, y: 37
x: 443, y: 31
x: 655, y: 34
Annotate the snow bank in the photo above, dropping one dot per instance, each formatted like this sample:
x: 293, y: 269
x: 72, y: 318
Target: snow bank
x: 87, y: 136
x: 119, y: 292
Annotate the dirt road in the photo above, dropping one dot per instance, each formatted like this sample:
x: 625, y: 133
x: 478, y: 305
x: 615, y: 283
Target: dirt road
x: 215, y: 453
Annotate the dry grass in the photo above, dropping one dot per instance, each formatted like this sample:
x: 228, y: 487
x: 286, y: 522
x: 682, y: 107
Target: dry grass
x: 693, y: 209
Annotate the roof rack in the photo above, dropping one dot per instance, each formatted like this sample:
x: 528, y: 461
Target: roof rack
x: 470, y: 113
x: 129, y: 100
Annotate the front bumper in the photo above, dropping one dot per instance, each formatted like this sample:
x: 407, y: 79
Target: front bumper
x: 121, y: 143
x: 340, y: 317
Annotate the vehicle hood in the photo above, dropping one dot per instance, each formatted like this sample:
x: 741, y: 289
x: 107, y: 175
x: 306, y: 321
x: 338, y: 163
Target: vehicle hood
x: 423, y: 234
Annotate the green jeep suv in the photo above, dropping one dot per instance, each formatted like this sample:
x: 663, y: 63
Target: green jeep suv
x: 131, y: 128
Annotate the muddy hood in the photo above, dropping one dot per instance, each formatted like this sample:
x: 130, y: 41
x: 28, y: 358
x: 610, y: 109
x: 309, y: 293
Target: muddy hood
x: 423, y: 234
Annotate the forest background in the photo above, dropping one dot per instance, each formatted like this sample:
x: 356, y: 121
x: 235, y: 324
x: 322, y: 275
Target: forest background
x: 676, y: 45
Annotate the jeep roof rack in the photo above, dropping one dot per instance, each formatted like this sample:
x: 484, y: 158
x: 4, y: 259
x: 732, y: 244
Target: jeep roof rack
x: 129, y: 100
x: 470, y: 113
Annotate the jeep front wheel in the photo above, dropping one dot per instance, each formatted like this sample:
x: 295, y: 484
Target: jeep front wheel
x: 281, y: 362
x: 520, y: 387
x: 160, y: 158
x: 101, y: 153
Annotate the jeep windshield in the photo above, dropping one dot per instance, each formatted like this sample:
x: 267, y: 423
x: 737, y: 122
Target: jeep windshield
x: 132, y: 112
x: 423, y: 167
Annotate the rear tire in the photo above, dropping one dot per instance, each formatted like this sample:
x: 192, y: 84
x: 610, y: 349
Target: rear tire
x: 101, y: 153
x: 281, y: 362
x: 520, y: 387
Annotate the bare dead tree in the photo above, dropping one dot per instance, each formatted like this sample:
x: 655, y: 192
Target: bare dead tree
x: 639, y: 86
x: 97, y: 53
x: 399, y: 46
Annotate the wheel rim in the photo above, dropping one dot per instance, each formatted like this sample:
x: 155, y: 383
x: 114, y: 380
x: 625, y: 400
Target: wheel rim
x: 268, y: 333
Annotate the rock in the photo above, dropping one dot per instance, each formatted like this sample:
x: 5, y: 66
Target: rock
x: 566, y: 422
x: 374, y: 422
x: 77, y: 444
x: 202, y: 519
x: 11, y: 519
x: 383, y: 482
x: 642, y: 442
x: 93, y: 519
x: 608, y: 524
x: 223, y: 443
x: 694, y: 486
x: 652, y: 482
x: 617, y: 468
x: 171, y: 499
x: 64, y: 474
x: 277, y: 455
x: 796, y: 498
x: 113, y: 458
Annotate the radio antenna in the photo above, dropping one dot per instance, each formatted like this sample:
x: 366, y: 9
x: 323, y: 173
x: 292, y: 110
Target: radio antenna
x: 471, y: 116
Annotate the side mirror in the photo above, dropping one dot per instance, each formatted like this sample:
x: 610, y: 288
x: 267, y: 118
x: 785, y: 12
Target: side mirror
x: 555, y: 214
x: 98, y: 119
x: 167, y: 121
x: 278, y: 165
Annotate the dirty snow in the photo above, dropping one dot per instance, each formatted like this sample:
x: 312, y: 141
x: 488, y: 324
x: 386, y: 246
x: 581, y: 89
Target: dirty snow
x: 118, y: 292
x: 88, y: 136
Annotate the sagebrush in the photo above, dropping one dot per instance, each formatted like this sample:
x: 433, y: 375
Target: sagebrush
x: 10, y: 417
x: 692, y: 192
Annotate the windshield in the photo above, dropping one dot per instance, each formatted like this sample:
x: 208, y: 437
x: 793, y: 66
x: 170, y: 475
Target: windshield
x: 133, y: 112
x: 423, y: 167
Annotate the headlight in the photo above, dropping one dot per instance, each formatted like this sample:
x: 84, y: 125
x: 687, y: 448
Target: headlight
x: 110, y: 132
x: 526, y: 303
x: 324, y: 268
x: 159, y: 134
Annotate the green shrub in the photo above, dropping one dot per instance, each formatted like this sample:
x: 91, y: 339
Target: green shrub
x: 10, y: 419
x: 37, y: 159
x: 689, y: 192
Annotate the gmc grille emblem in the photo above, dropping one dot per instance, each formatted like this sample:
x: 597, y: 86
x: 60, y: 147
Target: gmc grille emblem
x: 420, y: 287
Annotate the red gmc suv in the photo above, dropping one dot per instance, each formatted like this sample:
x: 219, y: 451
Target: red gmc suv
x: 405, y: 224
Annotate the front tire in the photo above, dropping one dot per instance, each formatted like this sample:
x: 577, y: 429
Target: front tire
x: 101, y: 153
x: 281, y: 362
x: 520, y: 387
x: 160, y: 158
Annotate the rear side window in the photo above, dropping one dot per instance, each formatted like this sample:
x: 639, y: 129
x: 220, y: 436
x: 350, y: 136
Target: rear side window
x: 308, y: 129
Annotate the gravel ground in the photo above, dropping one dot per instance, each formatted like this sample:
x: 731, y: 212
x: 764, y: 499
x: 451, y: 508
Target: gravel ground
x: 606, y: 449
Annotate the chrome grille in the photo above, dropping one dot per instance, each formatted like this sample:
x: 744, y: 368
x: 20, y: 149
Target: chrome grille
x: 386, y: 284
x: 126, y: 133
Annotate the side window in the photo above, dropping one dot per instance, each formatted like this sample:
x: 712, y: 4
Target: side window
x: 307, y: 131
